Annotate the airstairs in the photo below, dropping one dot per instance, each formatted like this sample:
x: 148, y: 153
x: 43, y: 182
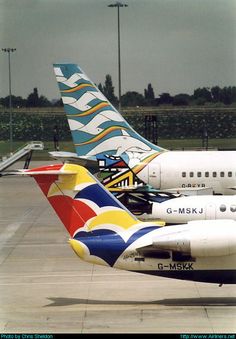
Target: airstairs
x: 25, y: 151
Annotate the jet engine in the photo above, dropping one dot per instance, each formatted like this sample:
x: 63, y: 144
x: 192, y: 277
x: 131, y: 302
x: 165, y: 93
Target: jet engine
x: 204, y: 238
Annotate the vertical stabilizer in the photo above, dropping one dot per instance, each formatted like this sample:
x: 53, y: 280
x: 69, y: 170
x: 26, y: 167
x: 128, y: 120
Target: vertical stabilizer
x: 101, y: 228
x: 96, y: 126
x: 79, y: 200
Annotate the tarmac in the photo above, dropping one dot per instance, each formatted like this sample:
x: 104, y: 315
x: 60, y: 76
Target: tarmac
x: 46, y: 288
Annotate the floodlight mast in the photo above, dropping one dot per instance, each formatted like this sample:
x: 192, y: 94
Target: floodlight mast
x: 119, y: 4
x: 9, y: 51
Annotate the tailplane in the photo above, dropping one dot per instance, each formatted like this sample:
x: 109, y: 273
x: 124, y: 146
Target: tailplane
x: 96, y: 126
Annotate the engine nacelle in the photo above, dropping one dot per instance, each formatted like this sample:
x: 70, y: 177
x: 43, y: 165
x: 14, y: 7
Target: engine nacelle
x: 205, y: 238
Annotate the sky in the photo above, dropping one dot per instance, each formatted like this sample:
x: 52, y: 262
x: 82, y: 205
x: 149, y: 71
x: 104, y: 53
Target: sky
x: 176, y: 45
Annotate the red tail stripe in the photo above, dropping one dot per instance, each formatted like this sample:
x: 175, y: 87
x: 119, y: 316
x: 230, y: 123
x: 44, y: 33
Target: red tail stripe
x: 73, y: 213
x: 49, y: 168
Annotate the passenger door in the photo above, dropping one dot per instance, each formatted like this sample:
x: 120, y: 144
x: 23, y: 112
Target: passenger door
x: 154, y: 175
x: 210, y: 211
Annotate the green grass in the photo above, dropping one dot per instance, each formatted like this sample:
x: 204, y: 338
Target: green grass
x: 171, y: 144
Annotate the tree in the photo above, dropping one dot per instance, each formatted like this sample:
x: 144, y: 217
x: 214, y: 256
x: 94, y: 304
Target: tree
x: 226, y: 95
x: 44, y: 102
x: 165, y: 98
x: 233, y: 93
x: 16, y: 101
x: 108, y: 90
x: 149, y: 95
x: 100, y: 87
x: 202, y: 93
x: 181, y: 100
x: 33, y: 99
x: 57, y: 102
x: 215, y: 93
x: 132, y: 99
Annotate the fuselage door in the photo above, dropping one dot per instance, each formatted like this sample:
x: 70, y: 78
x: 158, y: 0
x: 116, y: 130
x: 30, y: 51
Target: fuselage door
x: 154, y: 175
x: 210, y: 211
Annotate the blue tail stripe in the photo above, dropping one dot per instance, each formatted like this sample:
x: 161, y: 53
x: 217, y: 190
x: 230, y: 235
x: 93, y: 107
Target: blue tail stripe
x: 97, y: 194
x: 110, y: 245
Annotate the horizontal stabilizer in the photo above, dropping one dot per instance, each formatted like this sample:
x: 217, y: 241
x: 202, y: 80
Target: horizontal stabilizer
x: 191, y: 190
x: 71, y: 157
x: 45, y: 170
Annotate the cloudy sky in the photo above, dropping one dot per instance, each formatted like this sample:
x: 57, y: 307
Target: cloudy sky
x: 176, y: 45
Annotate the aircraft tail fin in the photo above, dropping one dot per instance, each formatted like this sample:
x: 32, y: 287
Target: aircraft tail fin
x: 79, y: 200
x: 96, y: 126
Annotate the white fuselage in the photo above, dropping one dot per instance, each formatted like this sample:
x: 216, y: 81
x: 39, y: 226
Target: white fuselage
x: 192, y: 169
x: 187, y: 208
x: 202, y: 250
x: 212, y: 245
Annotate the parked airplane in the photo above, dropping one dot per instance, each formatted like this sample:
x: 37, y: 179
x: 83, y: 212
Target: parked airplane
x: 177, y: 210
x: 98, y: 128
x: 104, y: 232
x: 151, y: 204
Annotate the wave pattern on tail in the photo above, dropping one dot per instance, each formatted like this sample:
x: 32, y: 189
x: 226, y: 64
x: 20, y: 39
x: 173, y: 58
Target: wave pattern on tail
x: 96, y: 126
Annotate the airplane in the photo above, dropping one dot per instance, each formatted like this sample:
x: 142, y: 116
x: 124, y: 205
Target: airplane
x: 98, y: 128
x: 102, y: 231
x: 177, y: 210
x: 152, y: 204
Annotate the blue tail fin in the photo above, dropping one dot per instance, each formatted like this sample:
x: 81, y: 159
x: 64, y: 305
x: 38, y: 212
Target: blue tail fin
x: 96, y: 126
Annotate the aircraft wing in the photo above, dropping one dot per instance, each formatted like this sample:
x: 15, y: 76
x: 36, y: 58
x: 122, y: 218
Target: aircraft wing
x: 191, y: 190
x: 232, y: 188
x: 171, y: 191
x: 142, y: 188
x: 89, y: 162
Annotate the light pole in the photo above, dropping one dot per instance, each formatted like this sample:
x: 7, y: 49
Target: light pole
x: 118, y: 4
x: 9, y: 51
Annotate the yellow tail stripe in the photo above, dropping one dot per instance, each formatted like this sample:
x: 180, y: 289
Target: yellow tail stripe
x: 118, y: 218
x: 90, y: 111
x: 77, y: 88
x: 144, y: 162
x: 102, y: 134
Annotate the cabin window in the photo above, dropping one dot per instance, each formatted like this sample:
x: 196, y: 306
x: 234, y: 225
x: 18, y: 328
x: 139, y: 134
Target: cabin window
x: 199, y: 174
x: 233, y: 208
x: 222, y: 208
x: 222, y: 174
x: 230, y: 174
x: 214, y: 174
x: 184, y: 174
x: 206, y: 174
x: 191, y: 174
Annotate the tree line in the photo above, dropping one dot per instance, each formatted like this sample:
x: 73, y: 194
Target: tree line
x: 200, y: 96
